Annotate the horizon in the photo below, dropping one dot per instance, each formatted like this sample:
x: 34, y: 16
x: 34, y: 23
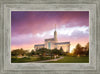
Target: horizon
x: 29, y: 28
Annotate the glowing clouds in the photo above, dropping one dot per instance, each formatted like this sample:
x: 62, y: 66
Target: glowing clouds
x: 65, y: 31
x: 68, y: 31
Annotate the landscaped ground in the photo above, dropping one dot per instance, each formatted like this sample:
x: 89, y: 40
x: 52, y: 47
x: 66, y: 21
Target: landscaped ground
x: 66, y: 59
x: 72, y: 59
x: 27, y: 59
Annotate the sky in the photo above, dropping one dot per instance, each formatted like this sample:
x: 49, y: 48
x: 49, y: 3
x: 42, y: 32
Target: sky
x: 32, y: 27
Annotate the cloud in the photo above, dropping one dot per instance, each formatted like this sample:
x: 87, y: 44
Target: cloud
x: 68, y: 31
x: 22, y: 39
x: 25, y: 39
x: 64, y: 31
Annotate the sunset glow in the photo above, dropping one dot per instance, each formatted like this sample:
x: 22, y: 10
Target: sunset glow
x: 32, y: 27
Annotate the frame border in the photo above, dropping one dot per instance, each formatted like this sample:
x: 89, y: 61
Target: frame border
x: 2, y: 45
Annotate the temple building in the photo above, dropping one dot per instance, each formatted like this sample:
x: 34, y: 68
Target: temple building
x: 52, y: 43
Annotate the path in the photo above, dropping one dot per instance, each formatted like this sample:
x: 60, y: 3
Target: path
x: 48, y: 60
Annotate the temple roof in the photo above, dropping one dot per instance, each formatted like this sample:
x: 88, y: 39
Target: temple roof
x: 62, y: 43
x: 50, y: 39
x: 39, y: 45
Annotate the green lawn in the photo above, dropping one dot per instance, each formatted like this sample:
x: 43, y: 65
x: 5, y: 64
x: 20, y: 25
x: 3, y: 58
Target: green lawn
x: 72, y: 59
x: 66, y: 59
x: 27, y: 59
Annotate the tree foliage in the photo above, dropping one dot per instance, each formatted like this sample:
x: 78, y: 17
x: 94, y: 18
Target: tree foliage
x: 19, y: 52
x: 31, y: 53
x: 87, y: 48
x: 79, y: 50
x: 55, y: 51
x: 43, y: 51
x: 61, y: 52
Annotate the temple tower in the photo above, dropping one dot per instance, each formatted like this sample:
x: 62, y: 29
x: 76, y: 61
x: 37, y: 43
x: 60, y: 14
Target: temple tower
x: 55, y: 34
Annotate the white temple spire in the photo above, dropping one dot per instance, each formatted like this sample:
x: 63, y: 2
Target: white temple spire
x: 55, y: 27
x: 55, y: 34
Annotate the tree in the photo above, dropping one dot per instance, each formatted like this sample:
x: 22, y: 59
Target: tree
x: 87, y: 49
x: 55, y: 51
x: 78, y: 50
x: 31, y: 53
x: 61, y: 52
x: 42, y: 51
x: 87, y: 46
x: 17, y: 52
x: 14, y: 52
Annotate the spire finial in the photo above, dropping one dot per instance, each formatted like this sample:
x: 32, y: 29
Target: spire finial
x: 55, y: 27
